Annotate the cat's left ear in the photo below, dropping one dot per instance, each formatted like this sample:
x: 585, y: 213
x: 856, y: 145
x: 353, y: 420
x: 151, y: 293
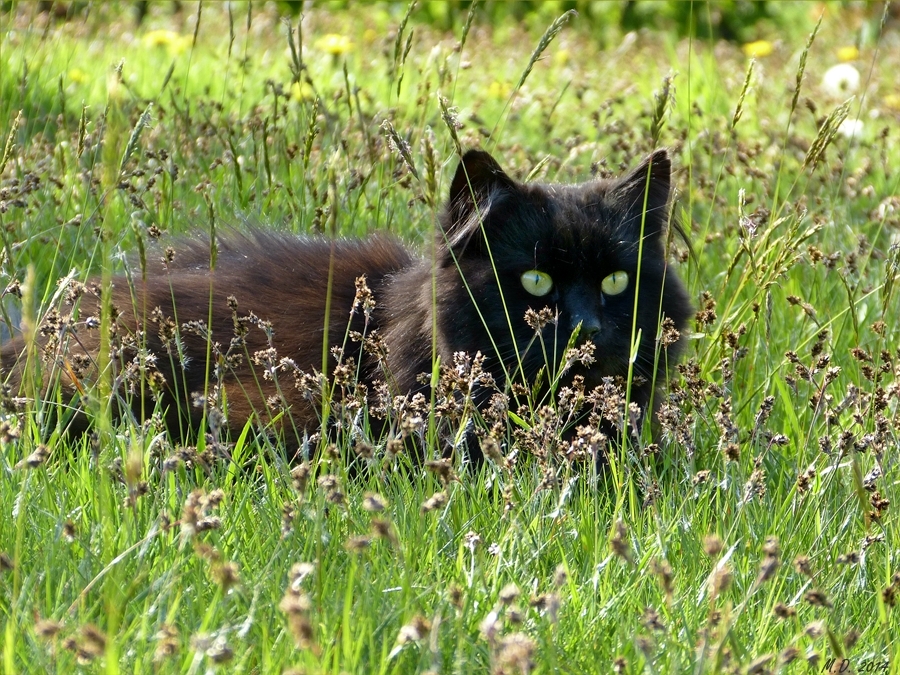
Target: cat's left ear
x: 646, y: 191
x: 476, y: 187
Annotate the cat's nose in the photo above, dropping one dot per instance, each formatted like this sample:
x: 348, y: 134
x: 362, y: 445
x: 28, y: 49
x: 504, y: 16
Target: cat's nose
x: 581, y: 308
x: 590, y: 326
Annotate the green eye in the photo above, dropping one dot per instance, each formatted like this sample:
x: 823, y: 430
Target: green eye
x: 537, y: 283
x: 615, y: 283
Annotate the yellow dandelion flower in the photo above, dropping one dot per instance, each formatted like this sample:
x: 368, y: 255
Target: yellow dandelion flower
x: 500, y: 90
x: 160, y: 38
x: 847, y: 54
x: 562, y: 57
x: 302, y: 91
x: 892, y: 101
x: 174, y: 42
x: 758, y: 49
x: 334, y: 44
x: 78, y: 76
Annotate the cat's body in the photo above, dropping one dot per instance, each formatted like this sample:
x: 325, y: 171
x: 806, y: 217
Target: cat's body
x: 502, y: 248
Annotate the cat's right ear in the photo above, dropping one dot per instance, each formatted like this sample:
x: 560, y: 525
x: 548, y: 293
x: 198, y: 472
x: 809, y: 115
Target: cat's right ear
x: 477, y: 182
x: 644, y: 194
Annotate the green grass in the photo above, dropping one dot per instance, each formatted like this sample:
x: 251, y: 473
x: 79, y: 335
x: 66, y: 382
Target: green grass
x: 654, y: 566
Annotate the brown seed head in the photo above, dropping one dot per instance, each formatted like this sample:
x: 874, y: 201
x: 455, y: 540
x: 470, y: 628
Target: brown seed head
x: 436, y: 501
x: 509, y: 594
x: 712, y: 545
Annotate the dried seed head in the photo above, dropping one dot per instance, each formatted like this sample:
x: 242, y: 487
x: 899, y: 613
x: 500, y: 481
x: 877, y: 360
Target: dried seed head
x: 300, y: 476
x: 514, y: 615
x: 363, y: 449
x: 92, y: 642
x: 296, y: 605
x: 802, y: 565
x: 383, y: 529
x: 707, y: 313
x: 358, y: 544
x: 456, y: 596
x: 537, y: 320
x: 490, y: 448
x: 363, y: 298
x: 669, y: 333
x: 299, y: 572
x: 619, y: 543
x: 770, y: 562
x: 331, y: 485
x: 393, y: 448
x: 548, y: 603
x: 509, y: 594
x: 414, y: 631
x: 35, y: 459
x: 804, y: 480
x: 889, y: 595
x: 227, y: 575
x: 817, y: 598
x: 652, y: 620
x: 167, y: 642
x: 560, y: 576
x: 782, y: 611
x: 219, y: 651
x: 374, y: 502
x: 788, y: 655
x: 490, y: 625
x: 209, y: 523
x: 46, y: 629
x: 288, y: 515
x: 662, y: 569
x: 443, y: 469
x: 815, y: 629
x: 720, y: 580
x: 850, y: 558
x: 758, y: 665
x: 515, y: 653
x: 434, y: 502
x: 712, y: 545
x: 756, y: 485
x: 851, y: 638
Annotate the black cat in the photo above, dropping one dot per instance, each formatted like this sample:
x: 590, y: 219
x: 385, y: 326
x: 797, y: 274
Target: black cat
x: 593, y: 253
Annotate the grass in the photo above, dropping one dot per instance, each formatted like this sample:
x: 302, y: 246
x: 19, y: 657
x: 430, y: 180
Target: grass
x: 761, y: 540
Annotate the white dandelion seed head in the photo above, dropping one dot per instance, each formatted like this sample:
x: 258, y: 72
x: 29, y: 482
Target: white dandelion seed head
x: 851, y: 128
x: 841, y: 80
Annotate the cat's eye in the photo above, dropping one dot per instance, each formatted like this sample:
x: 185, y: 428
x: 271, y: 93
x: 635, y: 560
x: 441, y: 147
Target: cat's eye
x: 615, y: 283
x: 537, y: 283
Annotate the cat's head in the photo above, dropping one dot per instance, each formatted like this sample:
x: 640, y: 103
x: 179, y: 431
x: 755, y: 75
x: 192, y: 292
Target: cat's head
x: 593, y: 253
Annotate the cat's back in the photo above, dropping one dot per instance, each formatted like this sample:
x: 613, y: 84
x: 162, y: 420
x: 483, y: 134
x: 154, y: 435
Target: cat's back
x: 273, y: 273
x: 260, y: 255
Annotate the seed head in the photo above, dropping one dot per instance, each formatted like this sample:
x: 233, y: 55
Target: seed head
x: 434, y: 502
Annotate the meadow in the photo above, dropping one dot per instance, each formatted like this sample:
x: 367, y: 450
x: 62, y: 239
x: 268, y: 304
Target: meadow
x: 752, y: 534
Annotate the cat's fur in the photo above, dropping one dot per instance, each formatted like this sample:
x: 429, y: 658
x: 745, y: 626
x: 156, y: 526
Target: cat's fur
x: 492, y: 230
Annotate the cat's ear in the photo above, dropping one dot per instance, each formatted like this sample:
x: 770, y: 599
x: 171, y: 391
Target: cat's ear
x: 477, y: 174
x: 477, y: 182
x: 646, y: 191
